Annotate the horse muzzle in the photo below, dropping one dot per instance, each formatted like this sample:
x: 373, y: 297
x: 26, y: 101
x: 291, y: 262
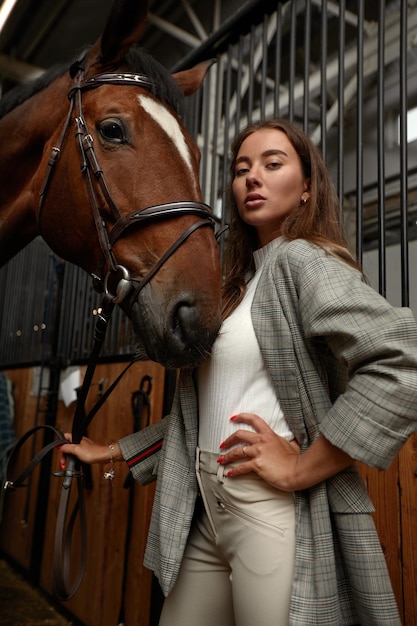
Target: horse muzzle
x: 179, y: 334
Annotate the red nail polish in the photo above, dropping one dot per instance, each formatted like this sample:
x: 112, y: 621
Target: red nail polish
x: 63, y: 464
x: 220, y: 459
x: 229, y: 473
x: 221, y: 445
x: 233, y: 418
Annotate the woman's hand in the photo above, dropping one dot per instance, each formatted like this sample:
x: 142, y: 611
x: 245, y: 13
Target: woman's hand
x: 279, y: 461
x: 88, y: 451
x: 272, y: 457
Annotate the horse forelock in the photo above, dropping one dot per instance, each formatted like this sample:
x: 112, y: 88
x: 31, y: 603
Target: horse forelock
x: 164, y: 87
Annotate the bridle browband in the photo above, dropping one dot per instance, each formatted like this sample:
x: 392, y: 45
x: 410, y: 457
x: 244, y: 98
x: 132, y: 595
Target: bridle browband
x: 94, y: 176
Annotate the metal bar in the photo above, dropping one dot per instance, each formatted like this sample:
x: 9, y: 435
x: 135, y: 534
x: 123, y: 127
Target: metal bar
x: 359, y: 135
x: 195, y: 21
x: 239, y: 83
x: 216, y: 121
x: 382, y: 260
x: 226, y: 130
x: 323, y: 78
x: 251, y: 73
x: 334, y: 9
x: 216, y: 14
x: 405, y: 280
x: 196, y: 114
x: 205, y: 128
x: 264, y: 65
x: 278, y: 47
x: 174, y: 31
x: 18, y: 71
x: 307, y: 59
x: 293, y: 51
x: 341, y: 99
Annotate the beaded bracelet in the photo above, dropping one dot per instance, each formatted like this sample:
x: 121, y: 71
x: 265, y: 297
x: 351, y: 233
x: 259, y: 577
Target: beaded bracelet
x: 111, y: 473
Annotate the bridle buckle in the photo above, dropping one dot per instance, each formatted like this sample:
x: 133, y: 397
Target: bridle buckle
x: 123, y: 286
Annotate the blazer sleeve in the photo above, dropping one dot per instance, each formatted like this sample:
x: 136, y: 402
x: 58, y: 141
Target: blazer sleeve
x: 141, y: 451
x: 376, y: 342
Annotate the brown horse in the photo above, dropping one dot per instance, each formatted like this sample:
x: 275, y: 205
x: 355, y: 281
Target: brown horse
x: 94, y: 159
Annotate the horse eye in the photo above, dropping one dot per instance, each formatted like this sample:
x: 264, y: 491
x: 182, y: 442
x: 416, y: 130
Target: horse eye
x: 112, y: 130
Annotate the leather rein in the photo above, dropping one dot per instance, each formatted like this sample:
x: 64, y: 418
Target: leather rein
x: 63, y: 588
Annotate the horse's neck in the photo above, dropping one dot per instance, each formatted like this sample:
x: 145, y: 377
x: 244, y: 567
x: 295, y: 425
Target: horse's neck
x: 23, y: 134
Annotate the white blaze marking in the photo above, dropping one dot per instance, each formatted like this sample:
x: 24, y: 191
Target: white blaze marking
x: 169, y: 125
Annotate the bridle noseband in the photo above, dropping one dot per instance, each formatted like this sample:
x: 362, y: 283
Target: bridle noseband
x: 94, y: 176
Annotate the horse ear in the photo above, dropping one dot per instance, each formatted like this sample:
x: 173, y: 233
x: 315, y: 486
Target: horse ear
x: 190, y: 80
x: 125, y: 26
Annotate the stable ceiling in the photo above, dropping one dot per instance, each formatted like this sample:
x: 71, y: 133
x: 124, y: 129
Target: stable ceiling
x: 40, y: 33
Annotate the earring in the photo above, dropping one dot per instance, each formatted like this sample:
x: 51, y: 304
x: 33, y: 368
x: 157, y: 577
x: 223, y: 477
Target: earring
x: 303, y: 200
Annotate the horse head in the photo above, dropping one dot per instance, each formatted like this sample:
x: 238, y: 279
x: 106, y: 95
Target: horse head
x: 108, y: 176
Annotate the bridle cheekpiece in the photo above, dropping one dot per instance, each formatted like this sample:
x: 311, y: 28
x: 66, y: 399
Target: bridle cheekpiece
x: 94, y: 176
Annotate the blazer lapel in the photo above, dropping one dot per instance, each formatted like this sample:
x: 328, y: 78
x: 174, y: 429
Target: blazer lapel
x: 277, y: 347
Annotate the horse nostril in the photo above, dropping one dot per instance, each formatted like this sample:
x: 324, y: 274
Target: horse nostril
x: 185, y: 321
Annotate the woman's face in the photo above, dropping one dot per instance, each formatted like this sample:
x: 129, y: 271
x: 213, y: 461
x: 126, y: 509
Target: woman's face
x: 269, y: 182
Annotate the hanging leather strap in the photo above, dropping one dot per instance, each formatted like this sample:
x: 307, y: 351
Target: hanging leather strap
x: 19, y: 481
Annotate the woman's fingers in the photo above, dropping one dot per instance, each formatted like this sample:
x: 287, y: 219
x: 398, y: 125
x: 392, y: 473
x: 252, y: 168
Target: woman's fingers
x: 63, y: 455
x: 87, y: 451
x: 259, y: 450
x: 246, y: 436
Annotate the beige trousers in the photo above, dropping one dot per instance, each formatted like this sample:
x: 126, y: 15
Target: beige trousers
x: 238, y: 564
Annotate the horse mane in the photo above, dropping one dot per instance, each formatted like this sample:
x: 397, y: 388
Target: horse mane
x: 139, y: 61
x: 23, y: 92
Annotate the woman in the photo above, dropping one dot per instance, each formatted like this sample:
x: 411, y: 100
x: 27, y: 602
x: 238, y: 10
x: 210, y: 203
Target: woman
x: 312, y: 370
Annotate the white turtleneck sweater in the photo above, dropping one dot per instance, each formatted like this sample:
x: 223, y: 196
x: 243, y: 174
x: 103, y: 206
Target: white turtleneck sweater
x: 234, y: 379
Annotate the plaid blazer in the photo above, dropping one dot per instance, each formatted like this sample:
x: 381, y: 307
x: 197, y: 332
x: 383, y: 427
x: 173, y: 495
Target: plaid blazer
x: 343, y: 363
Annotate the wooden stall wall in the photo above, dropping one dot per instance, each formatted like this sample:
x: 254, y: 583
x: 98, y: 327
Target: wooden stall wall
x: 116, y: 587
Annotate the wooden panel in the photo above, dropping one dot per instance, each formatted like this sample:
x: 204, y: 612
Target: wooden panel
x: 408, y: 486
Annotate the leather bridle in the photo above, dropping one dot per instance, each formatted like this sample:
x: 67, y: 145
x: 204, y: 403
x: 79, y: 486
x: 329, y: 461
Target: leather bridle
x: 94, y: 178
x: 63, y: 588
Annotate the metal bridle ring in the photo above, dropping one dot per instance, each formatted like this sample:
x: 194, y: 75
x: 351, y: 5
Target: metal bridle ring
x: 123, y: 286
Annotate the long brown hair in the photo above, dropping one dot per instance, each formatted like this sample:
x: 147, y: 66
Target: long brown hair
x: 317, y: 220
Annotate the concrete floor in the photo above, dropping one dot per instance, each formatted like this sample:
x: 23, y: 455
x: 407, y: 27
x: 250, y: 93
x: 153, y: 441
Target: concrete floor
x: 23, y: 605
